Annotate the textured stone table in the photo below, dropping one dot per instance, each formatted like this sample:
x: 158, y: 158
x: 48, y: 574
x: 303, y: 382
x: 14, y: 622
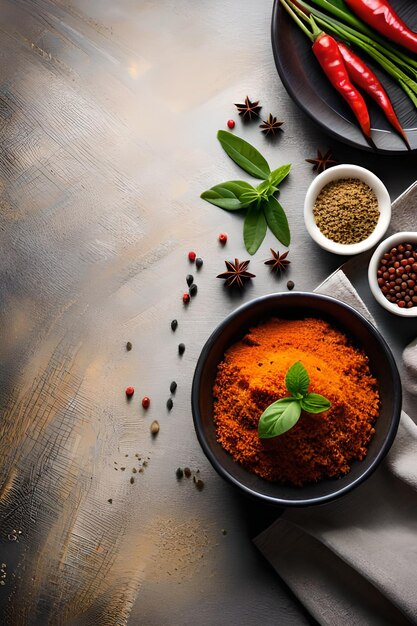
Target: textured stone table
x: 108, y: 115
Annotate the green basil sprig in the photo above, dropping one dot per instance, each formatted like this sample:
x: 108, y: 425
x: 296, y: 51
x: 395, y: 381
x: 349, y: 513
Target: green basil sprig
x: 263, y: 208
x: 283, y: 414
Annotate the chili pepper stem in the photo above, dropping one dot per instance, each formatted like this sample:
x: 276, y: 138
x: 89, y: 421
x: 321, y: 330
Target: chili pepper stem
x: 291, y: 11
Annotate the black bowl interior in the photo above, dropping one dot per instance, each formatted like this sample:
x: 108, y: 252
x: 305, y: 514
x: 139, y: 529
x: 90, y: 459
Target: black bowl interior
x: 296, y: 306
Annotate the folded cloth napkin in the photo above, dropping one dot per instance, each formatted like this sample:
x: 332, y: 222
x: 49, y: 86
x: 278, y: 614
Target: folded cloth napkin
x: 354, y: 561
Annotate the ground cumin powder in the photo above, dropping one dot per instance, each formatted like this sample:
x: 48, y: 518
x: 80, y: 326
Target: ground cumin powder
x: 252, y: 375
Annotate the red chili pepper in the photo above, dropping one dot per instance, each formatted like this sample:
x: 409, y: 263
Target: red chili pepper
x: 330, y: 58
x: 362, y: 76
x: 380, y: 15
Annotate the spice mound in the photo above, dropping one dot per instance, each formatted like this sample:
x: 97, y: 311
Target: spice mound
x: 397, y: 275
x: 252, y: 376
x: 346, y: 210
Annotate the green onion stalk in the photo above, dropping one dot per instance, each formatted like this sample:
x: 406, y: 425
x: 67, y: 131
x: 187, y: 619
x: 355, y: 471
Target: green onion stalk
x: 393, y: 62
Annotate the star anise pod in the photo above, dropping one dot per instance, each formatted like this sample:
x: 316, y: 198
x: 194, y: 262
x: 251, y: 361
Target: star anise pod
x: 271, y: 125
x: 249, y: 109
x: 278, y: 262
x: 322, y: 162
x: 236, y: 273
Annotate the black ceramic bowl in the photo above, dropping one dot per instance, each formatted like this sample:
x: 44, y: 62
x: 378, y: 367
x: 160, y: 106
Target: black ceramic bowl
x: 296, y: 306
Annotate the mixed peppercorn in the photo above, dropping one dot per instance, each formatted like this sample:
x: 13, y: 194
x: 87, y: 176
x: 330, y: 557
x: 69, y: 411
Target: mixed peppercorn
x: 397, y: 275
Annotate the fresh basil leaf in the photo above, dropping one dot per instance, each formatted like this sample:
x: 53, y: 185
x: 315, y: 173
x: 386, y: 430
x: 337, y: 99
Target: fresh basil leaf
x: 297, y: 380
x: 228, y: 195
x: 277, y: 220
x: 254, y: 229
x: 244, y: 154
x: 315, y: 403
x: 249, y: 196
x: 266, y: 188
x: 279, y: 417
x: 278, y: 175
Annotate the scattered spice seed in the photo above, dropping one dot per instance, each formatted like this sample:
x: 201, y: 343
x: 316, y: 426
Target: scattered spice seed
x: 278, y: 262
x: 173, y: 387
x: 187, y: 472
x: 146, y: 402
x: 132, y: 480
x: 155, y: 427
x: 190, y: 279
x: 179, y: 473
x: 174, y: 325
x: 122, y: 469
x: 270, y: 126
x: 199, y: 484
x: 181, y: 348
x: 129, y: 346
x: 199, y: 263
x: 110, y: 501
x: 290, y: 285
x: 236, y: 273
x: 224, y: 531
x: 248, y: 110
x: 170, y: 404
x: 231, y: 123
x: 134, y: 470
x: 193, y: 290
x: 130, y: 391
x: 140, y: 470
x: 186, y: 298
x: 192, y: 256
x: 322, y: 162
x: 223, y: 238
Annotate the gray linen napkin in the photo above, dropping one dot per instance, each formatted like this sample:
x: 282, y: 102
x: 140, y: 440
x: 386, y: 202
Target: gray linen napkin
x: 354, y: 561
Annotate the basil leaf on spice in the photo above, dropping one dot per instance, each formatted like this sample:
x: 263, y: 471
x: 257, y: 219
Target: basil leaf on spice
x: 228, y: 195
x: 297, y: 380
x: 315, y: 403
x: 254, y: 229
x: 244, y: 154
x: 277, y: 176
x: 278, y: 418
x: 283, y: 414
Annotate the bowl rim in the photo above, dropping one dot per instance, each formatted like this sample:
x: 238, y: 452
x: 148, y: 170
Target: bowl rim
x: 387, y: 243
x: 272, y: 500
x: 335, y: 173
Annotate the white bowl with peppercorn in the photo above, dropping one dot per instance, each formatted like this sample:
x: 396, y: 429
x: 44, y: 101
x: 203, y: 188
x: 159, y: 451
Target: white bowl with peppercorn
x: 347, y: 209
x: 392, y: 274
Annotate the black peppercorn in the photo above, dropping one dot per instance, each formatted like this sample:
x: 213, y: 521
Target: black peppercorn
x: 198, y: 263
x: 190, y: 279
x: 174, y: 324
x: 170, y: 404
x: 290, y: 285
x: 181, y: 348
x: 173, y: 387
x: 179, y: 473
x: 193, y: 290
x: 129, y: 346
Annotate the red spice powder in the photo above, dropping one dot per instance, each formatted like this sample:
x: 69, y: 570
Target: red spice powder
x: 252, y: 376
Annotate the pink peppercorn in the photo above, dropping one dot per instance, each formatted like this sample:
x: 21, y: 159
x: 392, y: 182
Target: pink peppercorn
x: 223, y: 238
x: 146, y: 402
x: 231, y: 123
x: 186, y: 298
x: 129, y: 391
x: 191, y: 256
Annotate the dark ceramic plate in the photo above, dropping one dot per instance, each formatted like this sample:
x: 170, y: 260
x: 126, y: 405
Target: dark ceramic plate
x: 296, y: 306
x: 308, y: 86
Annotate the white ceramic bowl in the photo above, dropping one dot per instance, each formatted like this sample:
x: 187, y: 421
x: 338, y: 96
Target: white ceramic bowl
x: 384, y: 204
x: 385, y: 246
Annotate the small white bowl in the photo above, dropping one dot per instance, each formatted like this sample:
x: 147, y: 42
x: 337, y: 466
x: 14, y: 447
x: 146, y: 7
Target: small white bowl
x: 384, y: 205
x: 385, y: 246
